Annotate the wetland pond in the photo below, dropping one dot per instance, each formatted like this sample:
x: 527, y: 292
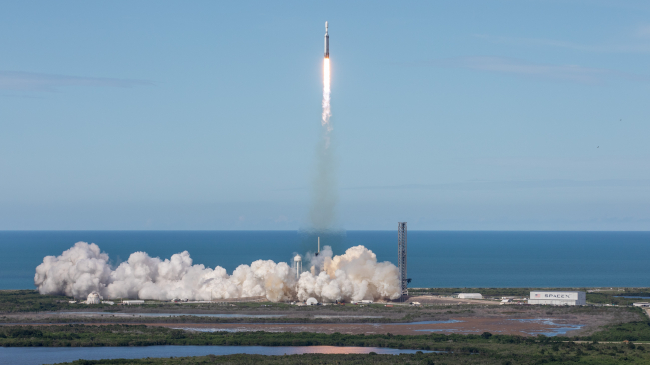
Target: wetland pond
x: 217, y: 315
x: 51, y: 355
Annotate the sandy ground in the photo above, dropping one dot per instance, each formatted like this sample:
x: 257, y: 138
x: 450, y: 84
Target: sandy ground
x: 438, y: 300
x: 438, y: 315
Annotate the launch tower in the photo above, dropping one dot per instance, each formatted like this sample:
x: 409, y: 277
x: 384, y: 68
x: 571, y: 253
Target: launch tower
x: 401, y: 257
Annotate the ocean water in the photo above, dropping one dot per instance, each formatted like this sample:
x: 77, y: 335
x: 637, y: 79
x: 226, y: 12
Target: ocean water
x: 435, y: 258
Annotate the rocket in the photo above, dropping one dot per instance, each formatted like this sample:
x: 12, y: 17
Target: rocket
x: 327, y: 42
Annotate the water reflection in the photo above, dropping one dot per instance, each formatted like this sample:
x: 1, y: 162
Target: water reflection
x: 559, y: 329
x: 49, y: 355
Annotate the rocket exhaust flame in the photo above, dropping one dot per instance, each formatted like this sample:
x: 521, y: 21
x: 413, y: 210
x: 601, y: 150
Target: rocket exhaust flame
x: 326, y: 88
x: 326, y: 99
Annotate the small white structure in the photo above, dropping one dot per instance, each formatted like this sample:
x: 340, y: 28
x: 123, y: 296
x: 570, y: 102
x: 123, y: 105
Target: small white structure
x: 470, y: 296
x: 366, y: 301
x: 94, y: 298
x: 311, y: 301
x: 558, y: 298
x: 132, y: 302
x: 72, y: 301
x: 108, y: 302
x: 641, y: 304
x: 298, y: 262
x: 417, y: 304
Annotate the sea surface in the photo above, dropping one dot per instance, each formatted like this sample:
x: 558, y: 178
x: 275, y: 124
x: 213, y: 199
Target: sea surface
x: 435, y: 258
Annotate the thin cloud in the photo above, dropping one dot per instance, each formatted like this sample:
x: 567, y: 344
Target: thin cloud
x: 572, y: 73
x: 508, y: 185
x: 619, y: 47
x: 28, y: 81
x: 643, y: 31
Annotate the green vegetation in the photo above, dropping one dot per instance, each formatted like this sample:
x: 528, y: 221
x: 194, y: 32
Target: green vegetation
x: 12, y: 301
x: 631, y: 331
x: 467, y: 349
x: 141, y: 335
x: 614, y: 299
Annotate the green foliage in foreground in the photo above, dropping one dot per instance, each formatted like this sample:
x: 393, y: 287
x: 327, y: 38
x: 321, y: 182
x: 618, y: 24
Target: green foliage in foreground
x: 29, y: 301
x: 632, y: 331
x: 466, y: 349
x: 564, y: 353
x: 12, y: 301
x: 141, y: 335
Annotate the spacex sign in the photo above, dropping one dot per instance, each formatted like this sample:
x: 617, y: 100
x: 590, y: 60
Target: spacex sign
x: 554, y: 295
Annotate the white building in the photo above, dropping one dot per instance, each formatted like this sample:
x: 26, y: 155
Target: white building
x: 470, y: 296
x: 311, y: 301
x: 132, y: 302
x: 558, y: 297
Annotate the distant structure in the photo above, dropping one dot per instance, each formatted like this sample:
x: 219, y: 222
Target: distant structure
x: 470, y: 296
x: 93, y: 298
x: 401, y: 257
x: 558, y: 297
x: 298, y: 261
x: 135, y: 302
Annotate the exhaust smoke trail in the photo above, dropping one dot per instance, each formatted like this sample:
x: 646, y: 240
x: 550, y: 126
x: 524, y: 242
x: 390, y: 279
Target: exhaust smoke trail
x: 324, y: 196
x: 355, y: 275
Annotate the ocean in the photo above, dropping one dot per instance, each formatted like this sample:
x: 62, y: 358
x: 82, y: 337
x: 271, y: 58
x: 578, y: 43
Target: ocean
x: 435, y: 258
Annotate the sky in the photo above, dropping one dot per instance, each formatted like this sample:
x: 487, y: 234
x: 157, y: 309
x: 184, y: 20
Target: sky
x: 472, y: 115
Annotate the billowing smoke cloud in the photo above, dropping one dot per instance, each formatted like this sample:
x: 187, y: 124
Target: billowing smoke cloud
x: 356, y: 275
x: 83, y: 269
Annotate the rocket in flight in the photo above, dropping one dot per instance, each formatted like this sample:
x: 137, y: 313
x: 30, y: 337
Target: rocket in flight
x: 327, y: 42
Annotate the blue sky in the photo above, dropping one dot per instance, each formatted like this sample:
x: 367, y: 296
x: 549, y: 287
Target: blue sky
x: 500, y: 115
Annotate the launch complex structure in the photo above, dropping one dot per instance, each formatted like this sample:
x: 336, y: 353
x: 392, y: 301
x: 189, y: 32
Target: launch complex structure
x: 401, y: 258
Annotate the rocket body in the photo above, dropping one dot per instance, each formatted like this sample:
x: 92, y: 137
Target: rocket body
x: 327, y: 42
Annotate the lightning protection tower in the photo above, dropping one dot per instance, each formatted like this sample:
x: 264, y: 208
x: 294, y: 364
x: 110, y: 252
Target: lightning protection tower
x: 401, y: 256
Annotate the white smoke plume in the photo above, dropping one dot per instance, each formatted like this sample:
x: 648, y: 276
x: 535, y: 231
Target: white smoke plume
x: 324, y: 196
x: 84, y: 269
